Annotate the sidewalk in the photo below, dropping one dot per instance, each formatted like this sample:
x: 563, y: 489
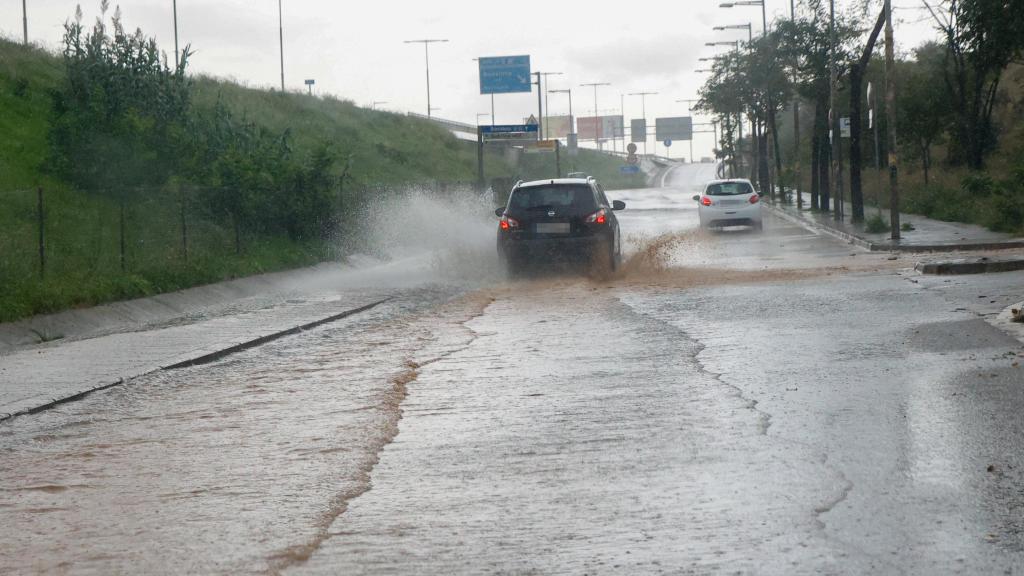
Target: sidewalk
x: 927, y: 236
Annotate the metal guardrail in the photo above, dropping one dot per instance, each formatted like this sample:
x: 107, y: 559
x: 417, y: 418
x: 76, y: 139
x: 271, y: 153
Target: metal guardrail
x: 449, y: 124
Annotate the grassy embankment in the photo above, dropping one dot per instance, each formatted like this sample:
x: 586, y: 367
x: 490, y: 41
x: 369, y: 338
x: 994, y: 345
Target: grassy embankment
x: 83, y: 268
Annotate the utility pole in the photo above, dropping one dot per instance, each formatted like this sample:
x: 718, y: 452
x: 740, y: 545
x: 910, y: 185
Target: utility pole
x: 540, y: 108
x: 643, y: 112
x: 24, y: 19
x: 426, y: 54
x: 280, y: 29
x: 890, y: 114
x: 833, y: 116
x: 796, y: 128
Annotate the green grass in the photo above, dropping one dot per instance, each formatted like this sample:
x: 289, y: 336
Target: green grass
x: 82, y: 230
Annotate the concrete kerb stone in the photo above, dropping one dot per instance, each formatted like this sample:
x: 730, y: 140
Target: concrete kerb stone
x: 194, y: 359
x: 982, y: 265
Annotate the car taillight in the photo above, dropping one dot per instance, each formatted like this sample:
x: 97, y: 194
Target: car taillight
x: 599, y: 217
x: 705, y: 201
x: 754, y: 199
x: 509, y: 223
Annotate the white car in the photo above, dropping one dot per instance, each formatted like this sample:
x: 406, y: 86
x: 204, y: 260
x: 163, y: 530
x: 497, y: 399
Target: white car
x: 729, y: 203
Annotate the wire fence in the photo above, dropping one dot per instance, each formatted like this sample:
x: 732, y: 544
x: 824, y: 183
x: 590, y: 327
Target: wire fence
x: 57, y: 233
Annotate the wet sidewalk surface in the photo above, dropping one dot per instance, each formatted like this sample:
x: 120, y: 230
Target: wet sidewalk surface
x: 36, y: 376
x: 928, y: 235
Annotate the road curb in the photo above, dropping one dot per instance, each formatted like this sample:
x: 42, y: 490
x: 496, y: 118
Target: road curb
x: 819, y: 228
x: 970, y: 266
x: 887, y: 247
x: 204, y: 357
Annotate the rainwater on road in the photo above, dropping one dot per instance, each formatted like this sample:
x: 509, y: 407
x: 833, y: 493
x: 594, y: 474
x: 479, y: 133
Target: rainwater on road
x: 774, y: 403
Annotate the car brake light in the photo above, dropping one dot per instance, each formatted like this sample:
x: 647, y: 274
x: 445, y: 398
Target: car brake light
x: 599, y: 217
x: 509, y: 223
x: 754, y: 199
x: 705, y: 201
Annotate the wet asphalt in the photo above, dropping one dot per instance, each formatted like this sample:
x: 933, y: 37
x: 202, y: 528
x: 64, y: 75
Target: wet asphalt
x: 776, y: 403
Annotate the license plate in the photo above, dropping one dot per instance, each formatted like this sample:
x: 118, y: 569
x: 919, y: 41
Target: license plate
x: 553, y: 228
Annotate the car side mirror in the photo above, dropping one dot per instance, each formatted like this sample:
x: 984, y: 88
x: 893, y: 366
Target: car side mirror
x: 499, y: 211
x: 696, y: 197
x: 618, y: 205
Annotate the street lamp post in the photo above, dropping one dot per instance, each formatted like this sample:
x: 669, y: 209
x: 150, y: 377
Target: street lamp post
x: 24, y: 20
x: 373, y: 106
x: 688, y: 111
x: 177, y: 58
x: 426, y: 53
x: 543, y: 123
x: 748, y: 27
x: 764, y: 10
x: 280, y: 32
x: 595, y: 85
x: 643, y: 112
x: 568, y: 91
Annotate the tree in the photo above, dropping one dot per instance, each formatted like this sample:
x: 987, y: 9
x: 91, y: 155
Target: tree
x: 925, y: 110
x: 982, y: 38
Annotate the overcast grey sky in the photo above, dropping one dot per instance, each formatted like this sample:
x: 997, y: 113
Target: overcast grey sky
x: 355, y: 50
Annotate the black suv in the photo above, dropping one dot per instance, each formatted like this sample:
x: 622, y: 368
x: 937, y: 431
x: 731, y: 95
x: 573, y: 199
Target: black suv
x: 563, y: 219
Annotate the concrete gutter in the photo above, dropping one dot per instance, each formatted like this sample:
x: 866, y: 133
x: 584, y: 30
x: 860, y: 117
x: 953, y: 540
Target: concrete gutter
x: 822, y: 229
x: 1005, y: 321
x: 191, y: 358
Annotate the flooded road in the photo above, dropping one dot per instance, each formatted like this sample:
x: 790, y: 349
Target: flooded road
x: 730, y: 403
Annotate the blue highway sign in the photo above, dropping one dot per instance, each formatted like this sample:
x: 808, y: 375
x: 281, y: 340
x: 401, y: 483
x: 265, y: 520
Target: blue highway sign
x: 509, y: 129
x: 505, y: 75
x: 629, y: 169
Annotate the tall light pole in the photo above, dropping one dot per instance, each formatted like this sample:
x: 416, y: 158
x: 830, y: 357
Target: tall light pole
x: 833, y: 117
x: 764, y: 10
x: 690, y: 113
x: 24, y: 20
x: 280, y: 30
x: 568, y: 91
x: 543, y: 123
x: 643, y: 112
x: 748, y: 27
x: 595, y: 85
x: 426, y: 53
x: 177, y: 57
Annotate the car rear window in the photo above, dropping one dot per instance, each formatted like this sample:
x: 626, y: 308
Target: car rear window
x: 577, y: 196
x: 729, y: 189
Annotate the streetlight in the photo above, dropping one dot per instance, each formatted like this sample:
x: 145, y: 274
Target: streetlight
x: 643, y: 112
x: 543, y: 123
x: 748, y: 27
x: 572, y: 128
x: 280, y: 32
x: 688, y: 111
x: 595, y: 85
x: 764, y: 10
x: 24, y: 21
x: 703, y: 71
x: 426, y: 52
x: 373, y: 106
x: 734, y: 43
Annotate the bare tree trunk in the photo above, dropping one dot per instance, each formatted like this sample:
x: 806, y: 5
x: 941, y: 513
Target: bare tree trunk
x: 857, y: 70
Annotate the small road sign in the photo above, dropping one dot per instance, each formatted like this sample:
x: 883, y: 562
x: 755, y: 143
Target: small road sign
x: 629, y: 169
x: 631, y: 148
x: 844, y: 127
x: 632, y: 160
x: 668, y: 143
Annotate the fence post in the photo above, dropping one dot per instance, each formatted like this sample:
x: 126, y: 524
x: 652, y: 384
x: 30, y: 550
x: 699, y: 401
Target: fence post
x: 42, y: 234
x: 184, y: 224
x: 123, y: 268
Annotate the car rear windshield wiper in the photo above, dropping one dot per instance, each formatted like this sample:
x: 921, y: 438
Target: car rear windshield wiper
x: 542, y: 207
